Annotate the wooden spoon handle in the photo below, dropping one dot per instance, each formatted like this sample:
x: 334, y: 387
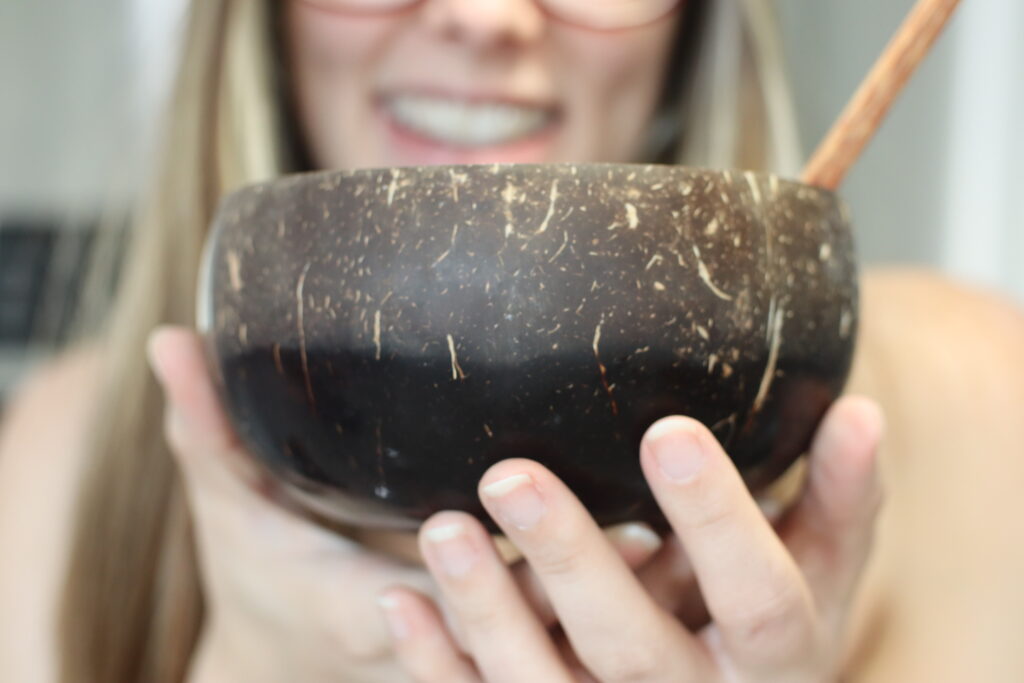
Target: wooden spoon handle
x: 865, y: 111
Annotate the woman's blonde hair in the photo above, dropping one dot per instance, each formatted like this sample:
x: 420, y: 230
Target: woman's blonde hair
x: 132, y: 606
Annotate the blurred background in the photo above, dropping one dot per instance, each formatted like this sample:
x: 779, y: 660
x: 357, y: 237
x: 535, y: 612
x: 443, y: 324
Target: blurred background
x: 81, y: 84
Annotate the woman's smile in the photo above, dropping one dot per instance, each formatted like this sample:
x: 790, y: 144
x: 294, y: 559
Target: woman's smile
x: 447, y: 82
x: 434, y: 126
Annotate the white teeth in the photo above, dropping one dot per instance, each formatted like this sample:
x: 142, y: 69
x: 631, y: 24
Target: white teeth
x: 467, y: 123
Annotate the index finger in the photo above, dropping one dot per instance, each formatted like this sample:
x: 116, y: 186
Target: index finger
x: 612, y: 622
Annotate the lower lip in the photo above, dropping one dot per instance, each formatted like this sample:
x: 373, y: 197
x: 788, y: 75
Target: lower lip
x: 409, y: 147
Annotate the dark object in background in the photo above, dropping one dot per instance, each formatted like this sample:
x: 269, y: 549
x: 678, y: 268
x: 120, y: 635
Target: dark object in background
x: 24, y: 260
x: 42, y: 267
x: 381, y: 337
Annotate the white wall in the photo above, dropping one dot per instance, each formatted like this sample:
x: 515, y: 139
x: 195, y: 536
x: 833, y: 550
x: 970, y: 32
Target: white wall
x: 984, y: 199
x: 65, y: 127
x: 940, y: 185
x: 942, y: 182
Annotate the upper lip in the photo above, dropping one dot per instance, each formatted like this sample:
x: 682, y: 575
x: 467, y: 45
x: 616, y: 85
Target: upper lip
x: 472, y: 96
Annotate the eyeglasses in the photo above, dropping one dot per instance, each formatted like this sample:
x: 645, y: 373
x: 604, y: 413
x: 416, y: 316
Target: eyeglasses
x: 594, y: 14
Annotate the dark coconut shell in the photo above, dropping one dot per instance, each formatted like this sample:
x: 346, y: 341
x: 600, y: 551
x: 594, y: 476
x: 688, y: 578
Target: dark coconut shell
x: 382, y: 337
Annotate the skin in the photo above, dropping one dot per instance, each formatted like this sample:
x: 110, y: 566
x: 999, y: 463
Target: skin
x: 601, y: 85
x: 287, y: 600
x: 787, y: 617
x: 725, y: 597
x: 248, y: 541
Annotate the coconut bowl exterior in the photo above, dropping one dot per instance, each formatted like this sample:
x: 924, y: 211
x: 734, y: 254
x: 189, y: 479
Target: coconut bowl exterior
x: 381, y: 337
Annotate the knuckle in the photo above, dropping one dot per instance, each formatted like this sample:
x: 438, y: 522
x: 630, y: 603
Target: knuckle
x: 362, y: 649
x: 478, y: 610
x: 557, y: 564
x: 355, y: 638
x: 480, y: 617
x: 710, y: 510
x: 356, y: 642
x: 558, y: 558
x: 559, y: 550
x: 638, y: 662
x: 426, y: 664
x: 455, y: 627
x: 778, y: 625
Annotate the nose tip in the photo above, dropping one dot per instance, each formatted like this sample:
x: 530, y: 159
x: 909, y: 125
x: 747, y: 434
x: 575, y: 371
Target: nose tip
x: 486, y: 22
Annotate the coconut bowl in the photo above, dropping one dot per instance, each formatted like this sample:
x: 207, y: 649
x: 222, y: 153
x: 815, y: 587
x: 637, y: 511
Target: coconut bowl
x: 381, y: 337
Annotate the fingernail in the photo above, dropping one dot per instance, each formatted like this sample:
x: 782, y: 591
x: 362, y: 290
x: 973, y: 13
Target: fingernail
x: 677, y: 450
x: 454, y: 549
x: 637, y: 535
x: 393, y: 617
x: 517, y: 500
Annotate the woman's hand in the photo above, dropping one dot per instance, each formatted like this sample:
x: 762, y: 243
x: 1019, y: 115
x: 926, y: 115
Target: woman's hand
x: 777, y: 600
x: 286, y: 600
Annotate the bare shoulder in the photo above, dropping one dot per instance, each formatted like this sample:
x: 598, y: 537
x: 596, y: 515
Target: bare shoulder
x: 930, y: 347
x: 946, y: 362
x: 54, y: 395
x: 41, y: 458
x: 904, y: 308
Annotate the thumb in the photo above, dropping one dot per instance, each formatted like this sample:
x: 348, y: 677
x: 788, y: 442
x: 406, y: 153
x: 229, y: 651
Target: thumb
x: 197, y: 429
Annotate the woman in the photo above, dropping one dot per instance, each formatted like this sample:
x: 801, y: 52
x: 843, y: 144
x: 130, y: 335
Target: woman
x: 129, y: 559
